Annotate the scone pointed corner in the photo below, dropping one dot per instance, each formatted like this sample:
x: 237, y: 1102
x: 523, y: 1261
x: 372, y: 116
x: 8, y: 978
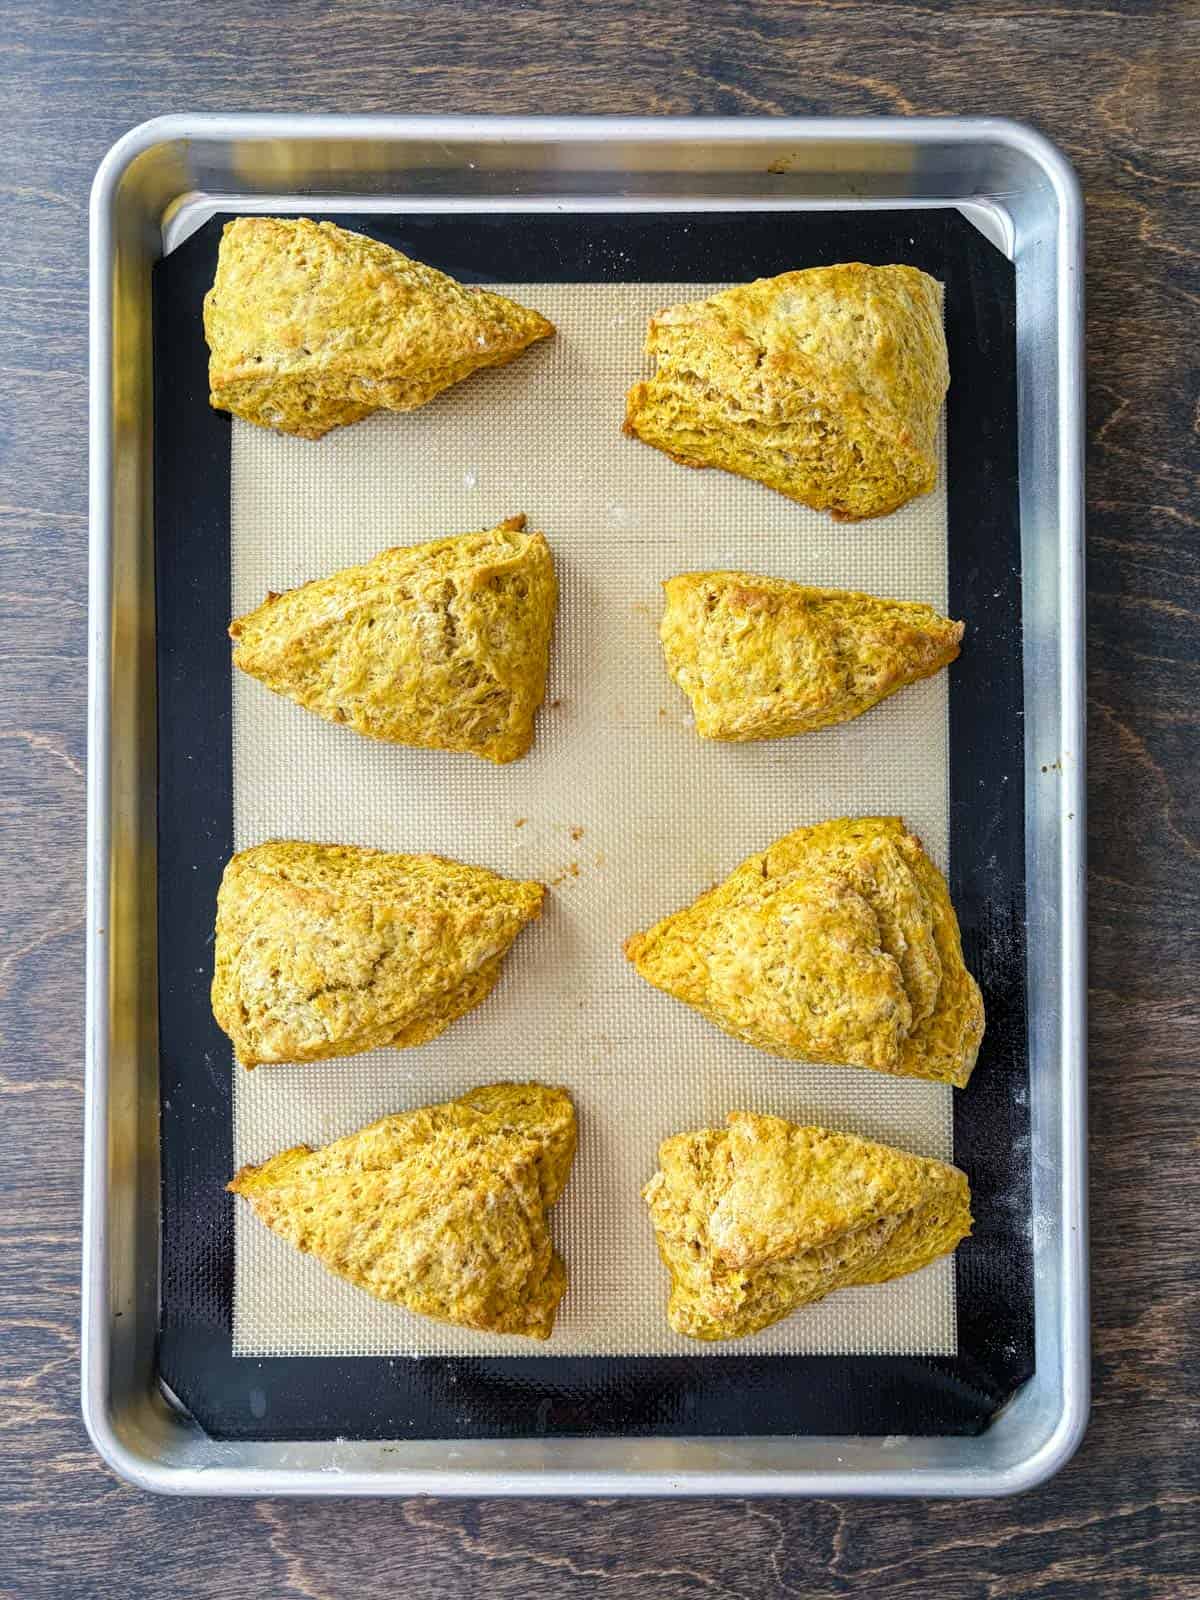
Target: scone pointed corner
x: 251, y: 1178
x: 534, y: 327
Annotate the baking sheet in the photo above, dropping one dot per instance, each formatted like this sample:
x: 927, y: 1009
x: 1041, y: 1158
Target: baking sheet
x: 622, y: 811
x: 172, y: 1239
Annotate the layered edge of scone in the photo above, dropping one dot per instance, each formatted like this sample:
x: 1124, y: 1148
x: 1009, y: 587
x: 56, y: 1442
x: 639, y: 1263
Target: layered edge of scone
x: 443, y: 645
x: 442, y: 1210
x: 764, y: 1216
x: 331, y: 950
x: 838, y: 944
x: 824, y: 383
x: 765, y: 658
x: 312, y: 327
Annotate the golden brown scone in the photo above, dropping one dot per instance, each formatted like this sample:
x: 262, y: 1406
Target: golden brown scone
x: 824, y: 384
x: 310, y: 327
x: 329, y: 950
x: 442, y: 1210
x: 837, y: 944
x: 764, y: 1216
x: 443, y: 645
x: 761, y: 658
x: 945, y: 1044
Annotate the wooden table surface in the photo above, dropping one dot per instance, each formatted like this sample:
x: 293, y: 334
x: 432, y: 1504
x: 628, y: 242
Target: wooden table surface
x: 1117, y: 84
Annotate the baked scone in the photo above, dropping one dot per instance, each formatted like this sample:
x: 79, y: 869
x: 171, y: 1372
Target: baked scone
x: 310, y: 327
x: 761, y: 658
x: 764, y: 1216
x: 837, y: 944
x: 443, y: 645
x: 328, y: 950
x: 442, y: 1210
x: 825, y: 384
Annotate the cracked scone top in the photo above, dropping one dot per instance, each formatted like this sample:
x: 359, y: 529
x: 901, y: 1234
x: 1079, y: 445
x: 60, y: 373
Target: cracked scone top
x: 837, y: 944
x: 762, y: 658
x: 444, y: 645
x: 330, y: 950
x: 825, y: 384
x: 441, y: 1210
x: 759, y: 1218
x: 311, y: 327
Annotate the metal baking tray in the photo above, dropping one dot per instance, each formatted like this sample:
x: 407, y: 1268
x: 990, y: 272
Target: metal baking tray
x: 154, y: 187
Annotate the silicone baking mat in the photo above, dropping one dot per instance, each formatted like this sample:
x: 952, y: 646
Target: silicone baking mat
x: 620, y: 809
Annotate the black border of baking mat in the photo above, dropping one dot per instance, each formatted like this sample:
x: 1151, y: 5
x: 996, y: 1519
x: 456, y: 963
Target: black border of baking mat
x: 497, y: 1397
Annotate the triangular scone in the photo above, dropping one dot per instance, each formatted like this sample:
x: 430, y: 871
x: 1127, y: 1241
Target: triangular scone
x: 761, y: 658
x: 442, y: 1210
x: 330, y: 950
x: 443, y: 645
x: 310, y: 327
x: 837, y: 944
x: 760, y: 1218
x: 824, y: 384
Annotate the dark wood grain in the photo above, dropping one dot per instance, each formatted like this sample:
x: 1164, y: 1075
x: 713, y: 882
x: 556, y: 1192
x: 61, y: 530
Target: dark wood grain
x: 1117, y: 84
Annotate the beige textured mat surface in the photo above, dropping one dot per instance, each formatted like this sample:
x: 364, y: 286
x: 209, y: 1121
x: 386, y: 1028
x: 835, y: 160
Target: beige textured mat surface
x: 624, y: 813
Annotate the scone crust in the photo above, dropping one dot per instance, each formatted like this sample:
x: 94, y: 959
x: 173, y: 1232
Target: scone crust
x: 443, y: 645
x: 825, y: 384
x: 441, y: 1210
x: 311, y: 327
x: 837, y: 944
x: 763, y: 658
x: 331, y: 950
x: 763, y: 1216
